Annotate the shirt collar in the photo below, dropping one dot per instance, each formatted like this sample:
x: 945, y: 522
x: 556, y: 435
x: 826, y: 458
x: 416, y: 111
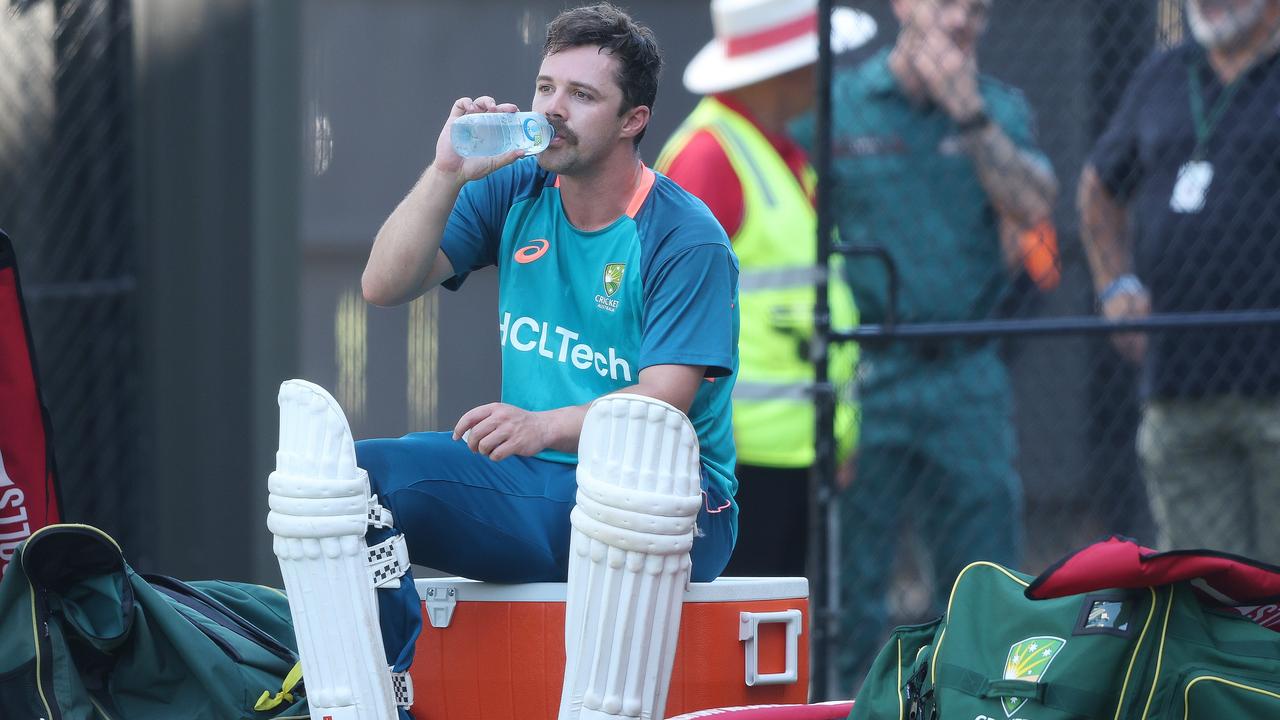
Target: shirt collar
x: 880, y: 79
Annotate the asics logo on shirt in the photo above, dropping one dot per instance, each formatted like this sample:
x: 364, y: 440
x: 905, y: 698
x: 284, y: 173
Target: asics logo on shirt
x: 534, y: 250
x: 529, y: 335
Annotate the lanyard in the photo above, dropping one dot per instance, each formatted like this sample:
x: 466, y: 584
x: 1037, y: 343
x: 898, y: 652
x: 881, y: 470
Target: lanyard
x: 1205, y: 125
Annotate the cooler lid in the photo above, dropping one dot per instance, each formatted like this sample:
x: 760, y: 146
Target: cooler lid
x: 725, y: 589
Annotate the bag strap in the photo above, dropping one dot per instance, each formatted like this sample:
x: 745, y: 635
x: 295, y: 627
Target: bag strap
x: 1013, y: 688
x: 1119, y: 562
x: 267, y: 701
x: 1072, y: 700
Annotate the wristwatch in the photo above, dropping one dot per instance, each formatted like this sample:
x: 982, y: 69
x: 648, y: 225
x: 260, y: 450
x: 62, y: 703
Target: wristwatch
x: 1127, y: 284
x: 977, y: 121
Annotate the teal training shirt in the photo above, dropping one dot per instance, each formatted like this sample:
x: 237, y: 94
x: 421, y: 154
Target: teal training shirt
x: 580, y: 314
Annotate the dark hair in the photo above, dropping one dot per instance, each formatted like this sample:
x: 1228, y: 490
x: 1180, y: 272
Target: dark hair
x: 606, y: 26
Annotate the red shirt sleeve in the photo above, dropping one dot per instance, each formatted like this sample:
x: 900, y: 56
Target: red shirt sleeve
x: 704, y: 170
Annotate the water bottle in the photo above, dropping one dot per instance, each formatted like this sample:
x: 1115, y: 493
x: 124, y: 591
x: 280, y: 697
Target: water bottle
x: 487, y: 134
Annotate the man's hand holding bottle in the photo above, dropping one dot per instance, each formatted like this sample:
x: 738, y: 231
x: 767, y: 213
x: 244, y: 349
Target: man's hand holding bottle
x: 463, y: 170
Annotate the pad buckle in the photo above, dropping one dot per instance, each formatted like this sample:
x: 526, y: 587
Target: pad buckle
x: 379, y: 516
x: 402, y: 689
x: 388, y: 561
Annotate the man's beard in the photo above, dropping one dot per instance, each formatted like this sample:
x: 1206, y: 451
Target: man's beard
x: 1233, y: 27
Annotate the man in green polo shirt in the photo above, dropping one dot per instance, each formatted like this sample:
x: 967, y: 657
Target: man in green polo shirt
x: 936, y: 164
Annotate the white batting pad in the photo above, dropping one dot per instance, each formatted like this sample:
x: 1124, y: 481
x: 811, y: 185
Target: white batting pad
x: 638, y: 497
x: 320, y: 509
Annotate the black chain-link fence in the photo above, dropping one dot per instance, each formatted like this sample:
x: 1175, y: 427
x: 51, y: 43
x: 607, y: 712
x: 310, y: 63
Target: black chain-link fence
x: 67, y: 200
x: 998, y: 422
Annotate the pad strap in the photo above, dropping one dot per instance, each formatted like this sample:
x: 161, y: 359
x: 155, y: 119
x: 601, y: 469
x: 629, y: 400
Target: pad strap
x: 635, y: 500
x: 402, y: 689
x: 388, y: 561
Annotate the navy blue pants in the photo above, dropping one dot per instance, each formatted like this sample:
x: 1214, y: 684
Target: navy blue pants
x: 506, y: 521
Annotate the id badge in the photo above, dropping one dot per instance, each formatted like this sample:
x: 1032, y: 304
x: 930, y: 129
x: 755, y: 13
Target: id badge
x: 1189, y: 191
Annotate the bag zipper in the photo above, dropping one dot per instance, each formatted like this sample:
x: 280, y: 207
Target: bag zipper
x: 44, y: 650
x: 1155, y: 673
x: 222, y: 615
x: 1192, y: 676
x: 99, y: 708
x: 1138, y: 646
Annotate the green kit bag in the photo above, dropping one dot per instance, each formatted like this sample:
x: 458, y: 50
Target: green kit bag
x: 1146, y: 653
x: 84, y: 637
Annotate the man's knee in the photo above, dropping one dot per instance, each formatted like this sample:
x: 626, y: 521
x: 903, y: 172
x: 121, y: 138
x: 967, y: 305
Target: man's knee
x: 376, y: 457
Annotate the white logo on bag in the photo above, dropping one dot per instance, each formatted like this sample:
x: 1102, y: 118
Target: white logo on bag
x: 529, y: 335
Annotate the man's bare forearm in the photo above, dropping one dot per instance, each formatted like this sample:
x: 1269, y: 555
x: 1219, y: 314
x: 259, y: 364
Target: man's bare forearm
x: 1021, y: 186
x: 1103, y: 225
x: 402, y: 264
x: 675, y: 385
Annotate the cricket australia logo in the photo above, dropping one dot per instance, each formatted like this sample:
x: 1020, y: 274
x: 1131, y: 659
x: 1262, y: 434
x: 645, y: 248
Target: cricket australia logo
x: 1028, y: 660
x: 612, y: 281
x: 613, y: 277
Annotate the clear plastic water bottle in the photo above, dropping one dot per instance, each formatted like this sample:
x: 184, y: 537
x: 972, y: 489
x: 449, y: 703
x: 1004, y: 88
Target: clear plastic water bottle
x: 487, y: 134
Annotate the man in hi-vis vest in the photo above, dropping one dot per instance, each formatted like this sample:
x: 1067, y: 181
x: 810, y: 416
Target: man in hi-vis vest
x: 732, y: 152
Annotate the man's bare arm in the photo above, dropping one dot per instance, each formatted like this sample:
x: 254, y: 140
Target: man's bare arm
x: 1103, y: 230
x: 1020, y: 184
x: 406, y: 259
x: 499, y: 430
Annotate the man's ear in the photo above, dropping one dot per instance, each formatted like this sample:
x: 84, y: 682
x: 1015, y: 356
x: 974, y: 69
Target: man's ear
x: 635, y: 120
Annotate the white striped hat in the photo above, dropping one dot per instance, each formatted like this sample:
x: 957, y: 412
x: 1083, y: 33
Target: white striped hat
x: 759, y: 39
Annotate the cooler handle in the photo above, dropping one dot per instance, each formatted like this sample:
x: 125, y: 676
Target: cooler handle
x: 749, y: 630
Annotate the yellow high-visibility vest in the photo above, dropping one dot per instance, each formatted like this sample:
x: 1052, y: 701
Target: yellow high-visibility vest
x: 773, y: 399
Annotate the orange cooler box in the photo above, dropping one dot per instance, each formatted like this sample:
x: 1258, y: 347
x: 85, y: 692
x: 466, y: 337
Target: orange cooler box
x: 496, y: 652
